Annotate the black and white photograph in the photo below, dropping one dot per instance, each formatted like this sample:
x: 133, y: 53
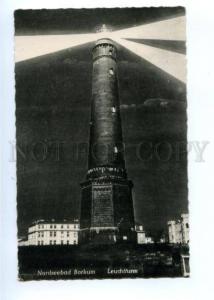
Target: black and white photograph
x: 101, y: 143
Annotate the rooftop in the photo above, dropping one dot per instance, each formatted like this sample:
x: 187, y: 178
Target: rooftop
x: 53, y: 221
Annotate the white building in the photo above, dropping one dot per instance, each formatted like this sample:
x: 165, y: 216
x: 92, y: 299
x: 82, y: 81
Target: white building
x: 185, y: 227
x: 149, y: 240
x: 52, y: 233
x: 141, y: 235
x: 22, y: 242
x: 179, y: 230
x: 162, y: 240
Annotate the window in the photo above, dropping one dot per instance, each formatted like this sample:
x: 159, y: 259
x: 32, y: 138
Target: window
x: 75, y: 242
x: 67, y: 242
x: 61, y: 226
x: 111, y: 71
x: 67, y: 233
x: 187, y: 225
x: 54, y: 233
x: 67, y: 226
x: 110, y: 51
x: 39, y: 226
x: 41, y: 242
x: 61, y: 242
x: 113, y: 109
x: 51, y: 233
x: 38, y: 242
x: 54, y: 242
x: 62, y: 232
x: 50, y: 242
x: 54, y: 226
x: 115, y: 150
x: 39, y: 234
x: 51, y: 226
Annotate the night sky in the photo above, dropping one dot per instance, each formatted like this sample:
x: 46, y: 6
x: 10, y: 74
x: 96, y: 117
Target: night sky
x: 53, y: 106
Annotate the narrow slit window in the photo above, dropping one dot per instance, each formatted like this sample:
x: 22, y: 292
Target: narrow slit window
x: 111, y: 71
x: 115, y: 149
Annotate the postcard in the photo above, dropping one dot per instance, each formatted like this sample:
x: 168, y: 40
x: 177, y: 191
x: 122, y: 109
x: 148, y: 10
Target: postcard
x: 101, y: 143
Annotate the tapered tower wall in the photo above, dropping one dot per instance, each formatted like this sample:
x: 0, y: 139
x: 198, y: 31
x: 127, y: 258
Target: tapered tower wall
x: 106, y: 143
x: 106, y: 207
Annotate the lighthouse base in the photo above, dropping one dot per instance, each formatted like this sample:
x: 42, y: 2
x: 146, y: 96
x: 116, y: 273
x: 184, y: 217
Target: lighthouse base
x: 106, y: 237
x: 107, y: 211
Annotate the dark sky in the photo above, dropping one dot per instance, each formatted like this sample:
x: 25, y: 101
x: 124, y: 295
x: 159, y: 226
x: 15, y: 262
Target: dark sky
x: 53, y: 21
x: 53, y: 105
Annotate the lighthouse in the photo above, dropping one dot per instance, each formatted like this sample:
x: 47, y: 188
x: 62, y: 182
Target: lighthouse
x: 106, y: 214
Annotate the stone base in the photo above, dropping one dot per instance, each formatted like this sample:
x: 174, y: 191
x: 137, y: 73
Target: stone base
x: 107, y: 211
x: 107, y: 236
x: 98, y: 236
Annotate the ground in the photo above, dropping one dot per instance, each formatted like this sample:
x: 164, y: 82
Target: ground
x: 103, y: 261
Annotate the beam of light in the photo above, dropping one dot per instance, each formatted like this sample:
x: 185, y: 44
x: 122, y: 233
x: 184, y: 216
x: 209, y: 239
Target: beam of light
x: 31, y: 46
x: 27, y: 47
x: 175, y: 46
x: 170, y: 29
x: 170, y: 62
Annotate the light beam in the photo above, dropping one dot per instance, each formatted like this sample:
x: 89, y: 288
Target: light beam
x: 28, y: 47
x: 170, y: 62
x: 171, y: 29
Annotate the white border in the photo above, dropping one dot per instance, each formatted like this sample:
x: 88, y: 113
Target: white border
x: 200, y: 127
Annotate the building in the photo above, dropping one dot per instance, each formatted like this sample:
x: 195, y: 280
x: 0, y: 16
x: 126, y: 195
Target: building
x: 107, y: 214
x: 141, y: 235
x: 149, y: 240
x: 179, y: 230
x: 185, y: 227
x: 142, y: 238
x: 52, y: 233
x: 23, y: 242
x: 162, y: 240
x: 175, y: 233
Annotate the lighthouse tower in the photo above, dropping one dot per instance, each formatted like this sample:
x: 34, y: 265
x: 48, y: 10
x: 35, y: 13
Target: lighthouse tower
x: 106, y: 206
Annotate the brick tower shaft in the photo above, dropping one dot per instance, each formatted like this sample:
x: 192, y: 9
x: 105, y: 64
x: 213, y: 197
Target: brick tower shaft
x: 106, y: 143
x: 106, y: 207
